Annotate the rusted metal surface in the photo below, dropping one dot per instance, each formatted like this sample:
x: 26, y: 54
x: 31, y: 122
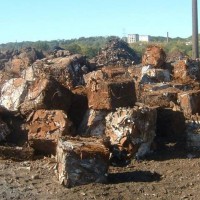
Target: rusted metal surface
x: 154, y: 56
x: 68, y: 70
x: 13, y: 93
x: 186, y: 71
x: 129, y: 128
x: 82, y: 161
x: 109, y: 93
x: 122, y: 104
x: 116, y: 53
x: 158, y: 95
x: 94, y: 123
x: 152, y: 75
x: 45, y: 94
x: 45, y: 127
x: 189, y: 102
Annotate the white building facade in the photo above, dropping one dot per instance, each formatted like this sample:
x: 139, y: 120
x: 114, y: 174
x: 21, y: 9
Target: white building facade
x: 144, y: 38
x: 132, y: 38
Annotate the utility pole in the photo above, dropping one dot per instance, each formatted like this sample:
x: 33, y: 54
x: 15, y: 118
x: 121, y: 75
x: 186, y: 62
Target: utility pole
x: 195, y: 40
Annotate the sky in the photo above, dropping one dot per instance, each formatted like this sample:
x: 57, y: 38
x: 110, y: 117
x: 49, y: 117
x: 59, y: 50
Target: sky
x: 33, y: 20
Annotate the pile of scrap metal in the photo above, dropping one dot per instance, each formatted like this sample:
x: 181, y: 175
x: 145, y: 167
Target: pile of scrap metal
x: 91, y: 117
x: 116, y: 53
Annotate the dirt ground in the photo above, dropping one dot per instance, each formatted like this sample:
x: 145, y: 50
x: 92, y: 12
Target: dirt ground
x: 169, y: 173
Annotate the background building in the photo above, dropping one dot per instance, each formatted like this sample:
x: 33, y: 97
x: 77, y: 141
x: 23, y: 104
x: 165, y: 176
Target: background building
x: 144, y: 38
x: 132, y: 38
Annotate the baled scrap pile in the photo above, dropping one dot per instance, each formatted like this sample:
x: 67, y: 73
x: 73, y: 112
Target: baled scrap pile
x: 180, y: 99
x: 82, y: 161
x: 104, y: 114
x: 155, y: 88
x: 45, y: 127
x: 132, y: 128
x: 116, y: 53
x: 44, y: 100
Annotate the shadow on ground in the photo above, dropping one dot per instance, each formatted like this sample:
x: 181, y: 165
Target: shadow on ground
x: 135, y: 176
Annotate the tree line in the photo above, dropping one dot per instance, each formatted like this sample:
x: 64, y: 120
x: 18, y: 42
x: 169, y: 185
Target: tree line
x: 90, y: 46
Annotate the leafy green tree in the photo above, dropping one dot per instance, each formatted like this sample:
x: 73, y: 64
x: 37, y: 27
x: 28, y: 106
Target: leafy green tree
x: 73, y: 48
x: 40, y: 45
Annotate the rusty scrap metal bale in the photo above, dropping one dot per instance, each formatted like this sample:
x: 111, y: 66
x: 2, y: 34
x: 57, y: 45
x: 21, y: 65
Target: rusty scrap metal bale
x: 93, y: 123
x: 152, y: 75
x: 68, y: 70
x: 46, y: 94
x: 189, y: 102
x: 21, y: 59
x: 154, y: 56
x: 180, y: 70
x: 106, y: 74
x: 162, y: 97
x: 186, y: 70
x: 96, y: 76
x: 13, y: 93
x: 109, y: 93
x: 82, y: 161
x: 132, y: 129
x: 45, y: 127
x: 111, y: 72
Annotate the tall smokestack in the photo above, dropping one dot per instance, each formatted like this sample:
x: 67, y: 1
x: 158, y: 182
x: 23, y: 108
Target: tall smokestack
x: 167, y: 37
x: 195, y: 41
